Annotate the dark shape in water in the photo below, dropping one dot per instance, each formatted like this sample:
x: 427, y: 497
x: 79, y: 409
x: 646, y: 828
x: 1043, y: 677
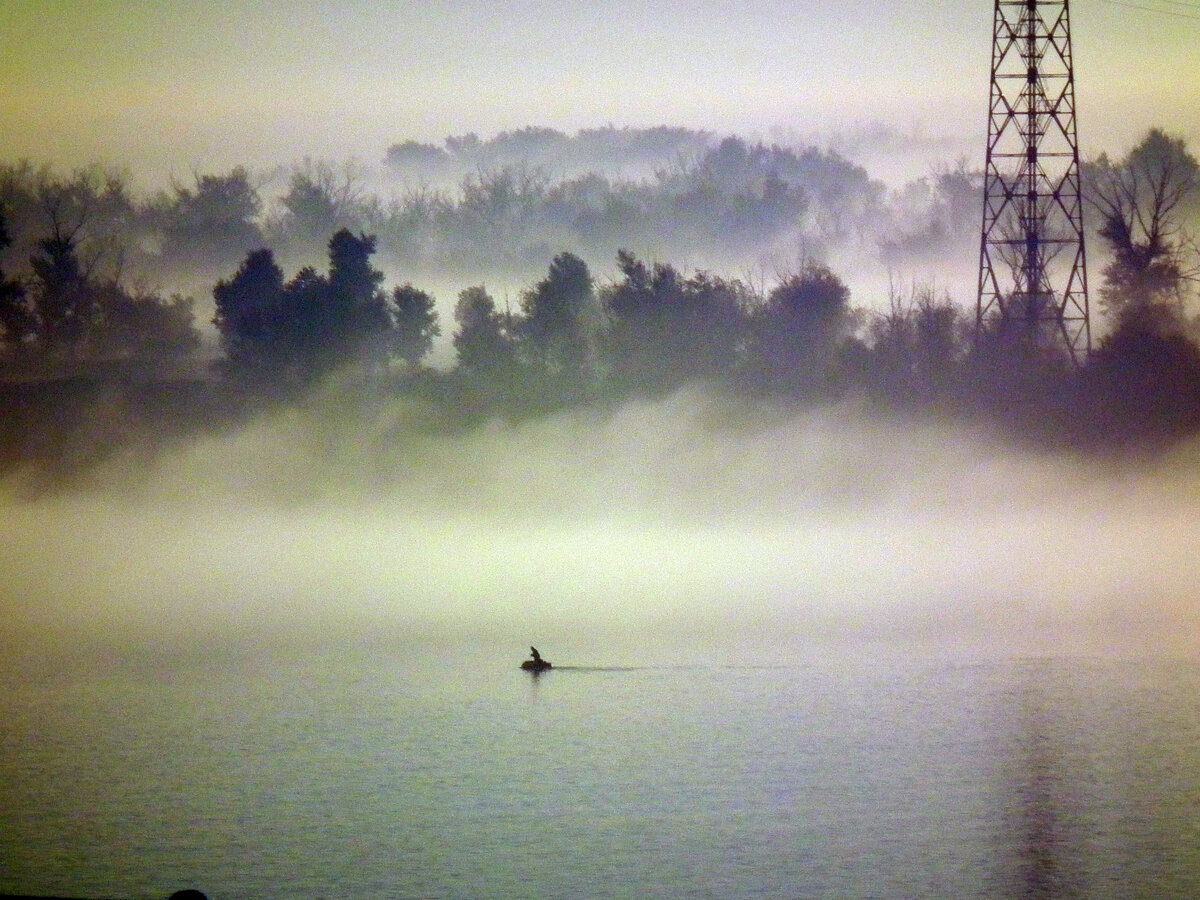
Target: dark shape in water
x: 536, y: 665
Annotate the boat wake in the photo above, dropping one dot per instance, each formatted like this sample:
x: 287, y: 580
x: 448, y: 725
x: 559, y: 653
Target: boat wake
x: 672, y: 668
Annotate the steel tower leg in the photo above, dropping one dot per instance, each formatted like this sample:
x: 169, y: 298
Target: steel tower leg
x: 1032, y: 262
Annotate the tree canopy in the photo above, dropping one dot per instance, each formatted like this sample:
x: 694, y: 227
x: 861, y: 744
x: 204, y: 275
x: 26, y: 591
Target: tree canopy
x: 16, y: 318
x: 1140, y: 198
x: 554, y: 320
x: 484, y: 341
x: 302, y: 329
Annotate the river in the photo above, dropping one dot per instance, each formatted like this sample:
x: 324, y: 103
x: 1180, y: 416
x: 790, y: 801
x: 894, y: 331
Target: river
x: 445, y: 772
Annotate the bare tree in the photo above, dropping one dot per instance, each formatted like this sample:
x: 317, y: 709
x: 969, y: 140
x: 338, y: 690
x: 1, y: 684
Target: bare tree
x: 1139, y: 199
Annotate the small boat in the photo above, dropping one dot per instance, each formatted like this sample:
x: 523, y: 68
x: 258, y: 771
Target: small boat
x: 537, y: 664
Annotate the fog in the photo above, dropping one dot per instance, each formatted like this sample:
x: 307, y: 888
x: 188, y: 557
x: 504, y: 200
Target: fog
x: 686, y: 529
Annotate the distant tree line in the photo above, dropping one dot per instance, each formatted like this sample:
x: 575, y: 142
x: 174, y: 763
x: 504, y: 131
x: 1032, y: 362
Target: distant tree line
x: 296, y: 331
x: 721, y: 200
x: 655, y: 327
x: 666, y: 193
x: 650, y: 329
x: 67, y: 310
x: 629, y: 151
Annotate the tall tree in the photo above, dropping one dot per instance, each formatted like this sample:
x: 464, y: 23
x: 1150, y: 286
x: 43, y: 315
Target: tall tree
x: 552, y: 328
x: 248, y: 317
x: 357, y: 315
x: 415, y: 324
x: 1139, y: 199
x: 16, y: 318
x: 484, y: 340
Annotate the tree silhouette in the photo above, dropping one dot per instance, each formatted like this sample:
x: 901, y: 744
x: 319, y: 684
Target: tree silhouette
x: 70, y: 312
x: 321, y: 199
x: 356, y: 313
x: 664, y: 328
x: 552, y: 328
x: 65, y: 305
x: 415, y: 324
x: 312, y: 210
x: 917, y: 345
x: 1139, y: 199
x: 212, y: 222
x: 483, y: 342
x: 141, y: 327
x: 304, y: 328
x: 304, y: 323
x: 249, y: 312
x: 16, y: 318
x: 1147, y: 383
x: 800, y: 328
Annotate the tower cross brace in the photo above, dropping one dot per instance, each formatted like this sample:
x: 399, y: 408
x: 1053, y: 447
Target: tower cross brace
x: 1032, y: 261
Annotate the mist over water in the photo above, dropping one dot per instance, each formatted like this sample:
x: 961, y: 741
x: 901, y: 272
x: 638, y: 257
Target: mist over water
x: 690, y: 528
x: 261, y: 638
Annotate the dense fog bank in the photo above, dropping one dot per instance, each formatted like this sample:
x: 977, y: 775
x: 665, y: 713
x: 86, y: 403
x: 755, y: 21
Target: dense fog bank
x: 684, y: 527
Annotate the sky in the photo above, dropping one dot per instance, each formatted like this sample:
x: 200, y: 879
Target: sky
x: 175, y: 86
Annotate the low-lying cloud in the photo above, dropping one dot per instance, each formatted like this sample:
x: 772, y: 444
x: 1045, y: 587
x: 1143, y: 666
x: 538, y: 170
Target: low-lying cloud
x: 691, y: 524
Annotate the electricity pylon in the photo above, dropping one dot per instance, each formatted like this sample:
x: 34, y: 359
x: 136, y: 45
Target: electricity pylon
x: 1032, y: 264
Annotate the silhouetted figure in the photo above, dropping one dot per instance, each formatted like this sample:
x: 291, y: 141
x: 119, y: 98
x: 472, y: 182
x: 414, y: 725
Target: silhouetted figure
x: 188, y: 894
x: 537, y: 665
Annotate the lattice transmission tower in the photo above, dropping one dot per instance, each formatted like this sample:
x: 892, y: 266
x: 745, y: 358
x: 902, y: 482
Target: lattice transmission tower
x: 1032, y: 264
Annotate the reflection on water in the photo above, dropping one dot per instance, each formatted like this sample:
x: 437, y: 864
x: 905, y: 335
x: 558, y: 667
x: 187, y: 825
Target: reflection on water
x: 1039, y: 787
x: 1099, y: 778
x: 376, y: 777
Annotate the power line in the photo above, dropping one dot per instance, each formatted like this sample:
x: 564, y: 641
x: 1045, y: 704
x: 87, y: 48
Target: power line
x: 1162, y: 12
x: 1186, y: 10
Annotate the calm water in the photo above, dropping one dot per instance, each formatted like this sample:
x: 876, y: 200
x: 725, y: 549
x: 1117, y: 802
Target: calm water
x: 374, y: 778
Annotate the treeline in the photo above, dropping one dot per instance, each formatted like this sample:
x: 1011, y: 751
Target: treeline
x: 611, y: 150
x: 652, y: 328
x: 569, y: 339
x: 724, y: 202
x: 516, y: 199
x: 655, y: 328
x: 65, y: 312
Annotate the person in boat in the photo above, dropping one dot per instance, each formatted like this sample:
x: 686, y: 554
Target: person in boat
x: 537, y: 664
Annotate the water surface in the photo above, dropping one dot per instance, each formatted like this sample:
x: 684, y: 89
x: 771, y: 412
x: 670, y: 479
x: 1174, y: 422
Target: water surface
x: 370, y: 776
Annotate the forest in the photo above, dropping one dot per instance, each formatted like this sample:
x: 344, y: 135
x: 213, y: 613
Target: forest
x: 272, y: 298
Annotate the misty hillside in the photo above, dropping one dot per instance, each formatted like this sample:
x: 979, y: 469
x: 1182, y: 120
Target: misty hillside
x: 479, y: 209
x: 633, y: 153
x: 127, y: 319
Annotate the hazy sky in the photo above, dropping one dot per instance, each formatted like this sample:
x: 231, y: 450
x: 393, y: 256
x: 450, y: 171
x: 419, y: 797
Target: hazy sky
x: 173, y: 85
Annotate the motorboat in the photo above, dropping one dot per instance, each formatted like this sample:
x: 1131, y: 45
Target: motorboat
x: 536, y: 664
